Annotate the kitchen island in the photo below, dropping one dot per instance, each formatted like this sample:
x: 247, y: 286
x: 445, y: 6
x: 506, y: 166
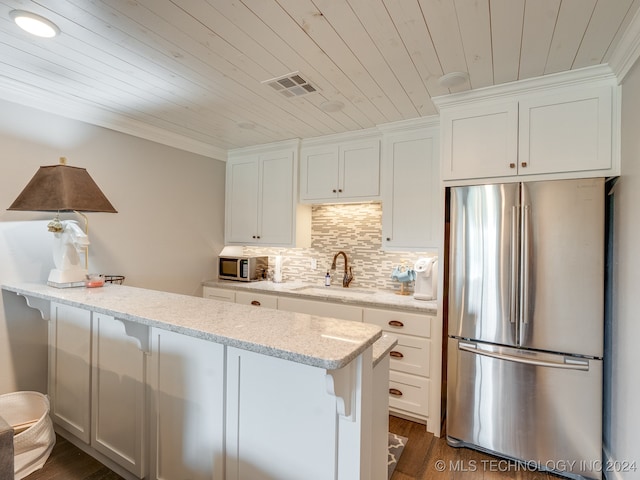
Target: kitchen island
x: 161, y: 385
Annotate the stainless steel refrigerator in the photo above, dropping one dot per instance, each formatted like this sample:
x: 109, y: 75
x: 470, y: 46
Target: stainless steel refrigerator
x: 525, y: 323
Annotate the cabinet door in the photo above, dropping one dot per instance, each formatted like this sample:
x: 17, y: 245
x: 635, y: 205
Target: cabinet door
x: 118, y: 391
x: 412, y: 194
x: 186, y: 380
x: 319, y: 173
x: 480, y: 141
x: 241, y: 200
x: 566, y: 132
x: 359, y: 177
x: 277, y: 199
x: 70, y: 369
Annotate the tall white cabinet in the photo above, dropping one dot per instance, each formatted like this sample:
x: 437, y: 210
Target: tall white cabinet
x: 412, y: 192
x: 261, y: 197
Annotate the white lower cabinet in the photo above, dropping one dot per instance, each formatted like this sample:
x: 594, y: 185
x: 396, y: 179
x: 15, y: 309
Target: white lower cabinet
x: 257, y: 299
x: 410, y: 360
x: 186, y: 380
x: 70, y: 369
x: 118, y: 392
x: 97, y: 383
x: 222, y: 294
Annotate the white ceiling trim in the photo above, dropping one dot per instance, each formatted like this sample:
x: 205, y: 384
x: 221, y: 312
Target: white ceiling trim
x: 628, y: 50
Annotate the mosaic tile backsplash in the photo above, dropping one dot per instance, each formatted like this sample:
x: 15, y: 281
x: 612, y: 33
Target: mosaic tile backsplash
x: 355, y: 229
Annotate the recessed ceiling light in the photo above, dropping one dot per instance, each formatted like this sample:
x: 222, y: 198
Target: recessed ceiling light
x: 34, y: 24
x: 331, y: 106
x: 453, y: 79
x: 247, y: 125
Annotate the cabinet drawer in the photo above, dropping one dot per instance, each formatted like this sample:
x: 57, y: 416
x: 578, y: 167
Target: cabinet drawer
x: 221, y: 294
x: 323, y: 309
x: 257, y: 299
x: 409, y: 393
x: 410, y: 355
x: 399, y: 322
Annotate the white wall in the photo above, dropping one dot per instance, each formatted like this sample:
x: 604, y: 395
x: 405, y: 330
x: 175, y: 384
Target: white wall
x: 165, y: 236
x: 623, y: 413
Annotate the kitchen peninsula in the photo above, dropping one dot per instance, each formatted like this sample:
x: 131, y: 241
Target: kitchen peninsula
x: 161, y: 385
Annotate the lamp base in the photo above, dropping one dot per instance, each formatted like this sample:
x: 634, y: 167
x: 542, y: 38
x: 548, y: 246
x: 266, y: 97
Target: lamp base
x: 67, y: 278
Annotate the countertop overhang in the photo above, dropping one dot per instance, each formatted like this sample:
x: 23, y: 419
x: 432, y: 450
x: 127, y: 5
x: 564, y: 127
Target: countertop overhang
x: 307, y: 339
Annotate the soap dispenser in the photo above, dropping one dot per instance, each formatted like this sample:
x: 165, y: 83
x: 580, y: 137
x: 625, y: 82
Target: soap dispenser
x: 327, y: 279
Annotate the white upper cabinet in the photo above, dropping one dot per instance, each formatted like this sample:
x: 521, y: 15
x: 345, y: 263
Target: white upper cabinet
x: 261, y: 197
x: 560, y: 126
x: 412, y: 190
x: 339, y: 169
x: 480, y: 141
x: 566, y: 132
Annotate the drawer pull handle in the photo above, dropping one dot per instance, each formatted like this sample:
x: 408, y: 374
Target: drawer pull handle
x: 524, y: 164
x: 395, y: 354
x: 396, y: 323
x: 512, y: 165
x: 255, y: 303
x: 395, y: 392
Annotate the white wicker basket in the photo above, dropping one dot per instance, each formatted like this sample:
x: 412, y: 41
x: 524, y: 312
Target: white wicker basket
x: 28, y: 414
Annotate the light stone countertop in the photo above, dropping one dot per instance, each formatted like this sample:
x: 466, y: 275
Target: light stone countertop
x: 308, y: 339
x: 365, y: 297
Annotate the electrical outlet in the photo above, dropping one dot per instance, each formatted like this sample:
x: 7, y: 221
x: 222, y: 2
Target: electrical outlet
x: 314, y: 264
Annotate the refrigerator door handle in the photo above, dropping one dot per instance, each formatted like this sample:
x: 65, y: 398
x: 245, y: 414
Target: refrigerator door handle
x: 513, y: 312
x: 526, y: 233
x: 568, y: 364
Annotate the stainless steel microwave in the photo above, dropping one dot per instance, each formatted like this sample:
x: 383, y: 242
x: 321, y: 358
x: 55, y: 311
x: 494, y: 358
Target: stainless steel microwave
x: 244, y: 269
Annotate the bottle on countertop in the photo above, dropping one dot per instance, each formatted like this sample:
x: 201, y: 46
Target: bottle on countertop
x: 327, y: 279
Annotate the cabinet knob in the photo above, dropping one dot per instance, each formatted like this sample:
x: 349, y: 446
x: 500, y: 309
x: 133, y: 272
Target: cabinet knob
x: 396, y: 323
x: 334, y: 190
x: 512, y: 165
x: 524, y: 164
x: 339, y: 190
x: 255, y: 303
x: 395, y: 392
x: 395, y: 354
x: 253, y: 236
x: 258, y: 236
x: 388, y: 239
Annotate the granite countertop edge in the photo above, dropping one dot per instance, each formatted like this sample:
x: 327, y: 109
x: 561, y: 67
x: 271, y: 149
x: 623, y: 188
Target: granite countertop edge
x: 376, y: 299
x: 308, y: 339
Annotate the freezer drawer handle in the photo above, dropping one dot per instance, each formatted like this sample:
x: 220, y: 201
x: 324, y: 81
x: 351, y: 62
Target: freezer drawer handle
x: 395, y: 392
x: 396, y: 323
x: 395, y: 354
x: 255, y: 303
x: 570, y: 365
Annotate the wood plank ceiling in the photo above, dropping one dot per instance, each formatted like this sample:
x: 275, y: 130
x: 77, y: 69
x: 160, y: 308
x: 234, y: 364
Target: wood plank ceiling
x: 190, y: 73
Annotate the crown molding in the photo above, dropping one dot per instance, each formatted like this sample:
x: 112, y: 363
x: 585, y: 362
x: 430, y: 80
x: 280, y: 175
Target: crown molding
x: 627, y: 52
x: 70, y: 107
x: 571, y: 78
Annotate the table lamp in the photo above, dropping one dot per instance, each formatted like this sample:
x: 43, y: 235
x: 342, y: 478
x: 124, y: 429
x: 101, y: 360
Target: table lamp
x: 62, y: 188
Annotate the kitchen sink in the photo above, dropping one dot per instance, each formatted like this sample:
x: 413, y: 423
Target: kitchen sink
x: 337, y: 291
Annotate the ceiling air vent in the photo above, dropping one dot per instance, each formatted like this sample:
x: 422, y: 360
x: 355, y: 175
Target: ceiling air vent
x: 291, y: 85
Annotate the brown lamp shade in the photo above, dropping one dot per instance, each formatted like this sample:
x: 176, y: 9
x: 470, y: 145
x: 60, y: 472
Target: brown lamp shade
x: 62, y: 188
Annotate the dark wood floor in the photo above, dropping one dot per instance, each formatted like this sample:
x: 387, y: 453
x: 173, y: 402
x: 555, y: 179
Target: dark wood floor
x: 424, y: 457
x: 428, y: 457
